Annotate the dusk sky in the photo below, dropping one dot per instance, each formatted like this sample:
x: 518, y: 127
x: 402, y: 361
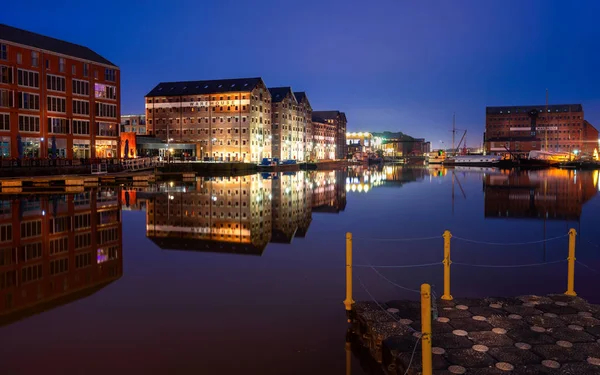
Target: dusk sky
x: 390, y: 65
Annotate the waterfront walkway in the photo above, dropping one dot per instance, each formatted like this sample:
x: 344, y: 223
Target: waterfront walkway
x: 556, y: 334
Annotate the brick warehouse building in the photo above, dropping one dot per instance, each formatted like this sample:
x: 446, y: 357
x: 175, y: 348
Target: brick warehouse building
x: 329, y: 134
x: 223, y: 120
x: 305, y: 117
x: 288, y: 125
x: 56, y: 92
x: 521, y: 129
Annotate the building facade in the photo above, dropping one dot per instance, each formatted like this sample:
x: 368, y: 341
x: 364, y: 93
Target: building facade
x: 324, y: 135
x: 305, y: 119
x: 288, y: 127
x: 337, y: 124
x: 133, y: 124
x: 221, y: 120
x: 56, y: 98
x: 555, y: 128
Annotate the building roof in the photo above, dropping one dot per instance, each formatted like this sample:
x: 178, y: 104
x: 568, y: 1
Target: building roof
x: 204, y: 87
x: 300, y: 95
x: 318, y: 118
x: 210, y: 246
x: 30, y: 39
x: 279, y: 93
x: 327, y: 115
x: 529, y: 108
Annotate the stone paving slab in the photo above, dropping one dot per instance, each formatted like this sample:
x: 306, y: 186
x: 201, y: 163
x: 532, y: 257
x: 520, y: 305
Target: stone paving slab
x: 555, y: 334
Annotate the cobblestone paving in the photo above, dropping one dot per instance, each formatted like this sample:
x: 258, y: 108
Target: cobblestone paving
x: 556, y: 334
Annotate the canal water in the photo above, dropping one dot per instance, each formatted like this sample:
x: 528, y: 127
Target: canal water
x: 246, y: 274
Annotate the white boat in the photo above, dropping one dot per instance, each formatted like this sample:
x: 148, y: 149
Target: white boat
x: 436, y: 158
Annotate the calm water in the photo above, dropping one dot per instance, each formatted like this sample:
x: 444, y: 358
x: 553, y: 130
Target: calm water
x: 246, y: 274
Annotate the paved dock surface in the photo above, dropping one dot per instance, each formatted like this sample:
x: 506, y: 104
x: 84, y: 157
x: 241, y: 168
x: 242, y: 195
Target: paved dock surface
x: 556, y: 334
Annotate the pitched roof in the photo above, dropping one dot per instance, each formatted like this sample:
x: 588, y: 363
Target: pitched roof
x: 279, y: 93
x: 204, y: 87
x: 327, y: 115
x: 539, y: 108
x: 300, y: 95
x: 28, y: 38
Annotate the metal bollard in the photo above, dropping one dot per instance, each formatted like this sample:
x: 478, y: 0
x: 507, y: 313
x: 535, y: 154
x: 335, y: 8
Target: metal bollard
x: 571, y: 274
x: 349, y: 301
x: 426, y: 329
x: 447, y: 262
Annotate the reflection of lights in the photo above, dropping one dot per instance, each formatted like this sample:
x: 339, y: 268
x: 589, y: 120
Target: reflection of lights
x: 348, y: 187
x: 360, y: 188
x: 171, y: 184
x: 595, y: 178
x: 353, y: 187
x: 366, y: 188
x: 171, y: 197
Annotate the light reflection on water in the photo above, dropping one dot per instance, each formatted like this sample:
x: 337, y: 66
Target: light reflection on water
x: 131, y: 294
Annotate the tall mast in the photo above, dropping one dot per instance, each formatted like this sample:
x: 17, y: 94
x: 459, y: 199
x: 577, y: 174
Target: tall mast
x: 547, y: 121
x: 453, y: 129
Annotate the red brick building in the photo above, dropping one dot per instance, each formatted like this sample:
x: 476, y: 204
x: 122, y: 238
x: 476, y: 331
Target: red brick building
x: 56, y: 92
x: 557, y: 128
x: 329, y: 134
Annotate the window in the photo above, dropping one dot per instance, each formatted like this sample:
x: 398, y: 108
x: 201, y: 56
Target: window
x: 73, y: 69
x: 47, y: 64
x: 31, y: 273
x: 83, y: 260
x: 30, y: 251
x: 86, y: 68
x: 59, y: 245
x: 82, y: 221
x: 58, y: 125
x: 60, y: 224
x: 59, y: 266
x: 6, y: 74
x: 107, y: 235
x: 19, y: 58
x: 81, y: 107
x: 110, y: 75
x: 61, y: 64
x: 4, y: 121
x: 81, y: 127
x: 96, y: 73
x: 81, y: 87
x: 106, y: 129
x: 55, y: 83
x: 29, y: 101
x: 83, y: 240
x: 31, y: 229
x: 29, y: 123
x: 35, y: 59
x: 106, y: 110
x: 6, y: 98
x: 105, y: 91
x: 28, y: 78
x: 56, y: 104
x: 3, y: 52
x: 6, y: 233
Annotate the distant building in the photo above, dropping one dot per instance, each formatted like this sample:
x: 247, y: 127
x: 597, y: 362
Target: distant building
x: 288, y: 126
x: 402, y: 145
x: 362, y: 143
x: 56, y: 95
x: 133, y: 124
x: 222, y: 120
x: 329, y: 134
x: 520, y: 129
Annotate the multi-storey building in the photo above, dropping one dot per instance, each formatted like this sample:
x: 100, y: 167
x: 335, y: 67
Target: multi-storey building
x: 305, y: 119
x: 555, y: 128
x: 337, y: 124
x: 288, y: 126
x: 56, y: 250
x: 225, y: 214
x: 56, y: 95
x: 323, y: 134
x: 225, y: 120
x: 133, y: 124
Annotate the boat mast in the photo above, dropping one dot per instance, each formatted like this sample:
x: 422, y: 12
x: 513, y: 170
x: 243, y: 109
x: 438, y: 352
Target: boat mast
x: 547, y: 121
x: 453, y: 129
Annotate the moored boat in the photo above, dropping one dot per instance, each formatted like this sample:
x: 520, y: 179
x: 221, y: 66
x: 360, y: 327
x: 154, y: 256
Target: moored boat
x: 472, y: 160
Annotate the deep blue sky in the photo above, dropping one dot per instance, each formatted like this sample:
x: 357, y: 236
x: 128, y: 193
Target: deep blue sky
x: 389, y: 64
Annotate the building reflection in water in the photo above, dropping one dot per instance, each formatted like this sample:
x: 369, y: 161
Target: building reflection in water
x: 241, y: 214
x: 553, y: 194
x: 363, y: 179
x: 57, y: 249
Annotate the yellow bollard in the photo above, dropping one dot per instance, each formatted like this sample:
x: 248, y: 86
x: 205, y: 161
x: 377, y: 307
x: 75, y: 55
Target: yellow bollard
x: 447, y: 262
x: 349, y: 301
x: 426, y: 329
x: 571, y: 276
